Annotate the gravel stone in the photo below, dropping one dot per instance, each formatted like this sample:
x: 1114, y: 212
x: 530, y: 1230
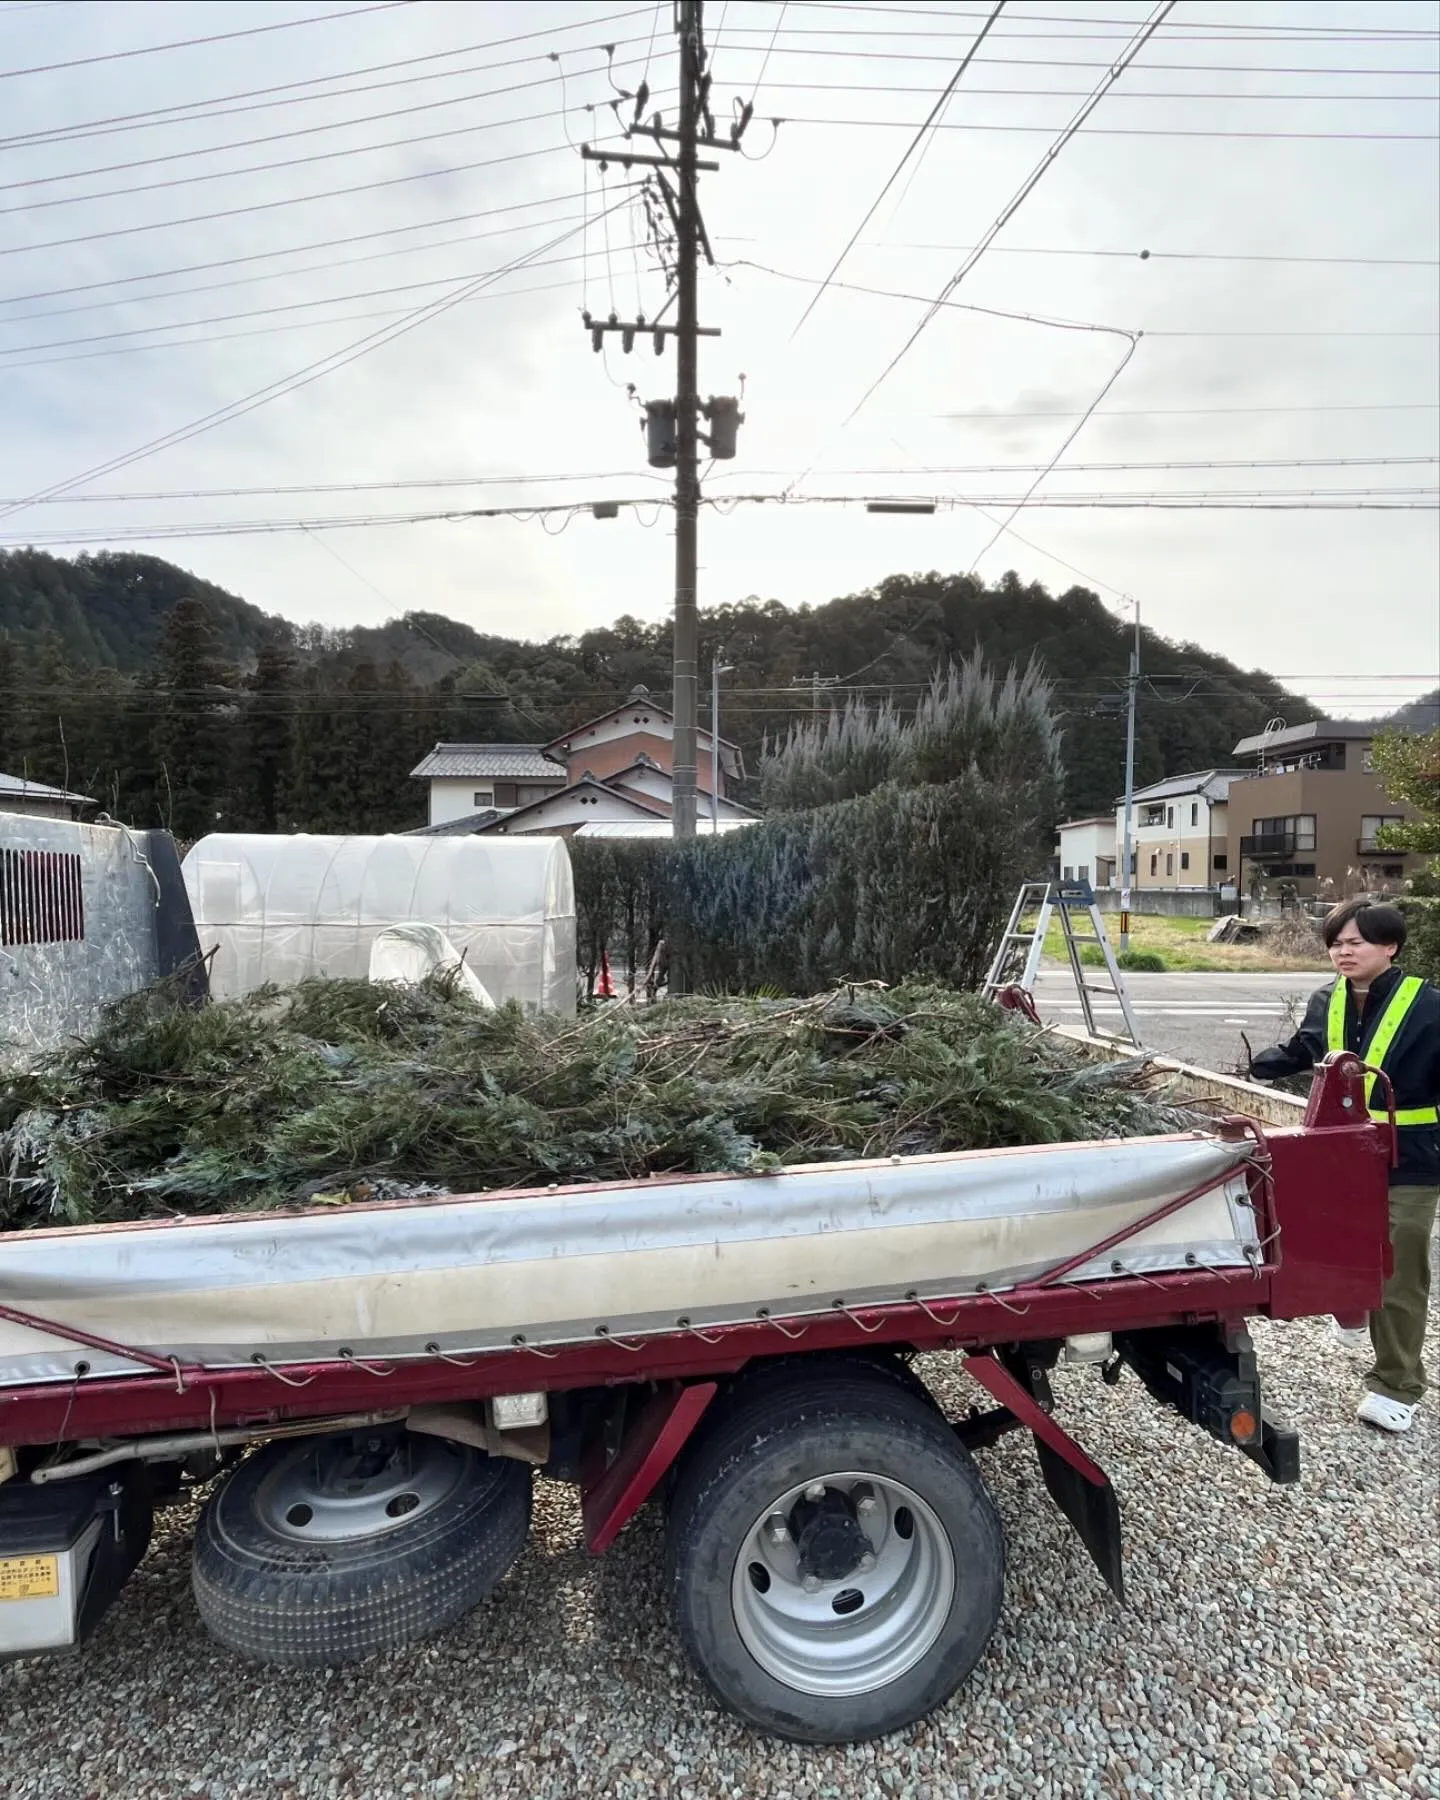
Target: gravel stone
x: 1277, y: 1642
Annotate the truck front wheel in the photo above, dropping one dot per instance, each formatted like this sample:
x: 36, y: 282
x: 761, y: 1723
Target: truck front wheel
x: 836, y: 1563
x: 319, y: 1551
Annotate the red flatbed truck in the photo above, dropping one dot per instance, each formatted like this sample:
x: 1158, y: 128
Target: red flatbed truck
x: 835, y: 1562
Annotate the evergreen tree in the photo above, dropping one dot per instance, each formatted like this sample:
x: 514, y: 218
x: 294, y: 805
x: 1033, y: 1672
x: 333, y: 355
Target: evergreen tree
x: 265, y: 740
x: 193, y: 721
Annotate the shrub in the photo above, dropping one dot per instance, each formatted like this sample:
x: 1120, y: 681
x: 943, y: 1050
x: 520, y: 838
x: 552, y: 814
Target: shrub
x: 1142, y: 962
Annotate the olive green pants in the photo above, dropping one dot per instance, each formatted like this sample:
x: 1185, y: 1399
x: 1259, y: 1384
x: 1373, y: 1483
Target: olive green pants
x: 1397, y: 1331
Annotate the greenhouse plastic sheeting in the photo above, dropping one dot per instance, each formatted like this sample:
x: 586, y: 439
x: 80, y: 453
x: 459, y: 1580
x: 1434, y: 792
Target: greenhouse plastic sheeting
x: 284, y: 909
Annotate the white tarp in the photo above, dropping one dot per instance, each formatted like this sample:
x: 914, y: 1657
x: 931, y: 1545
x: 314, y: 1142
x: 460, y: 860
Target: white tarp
x: 410, y: 954
x: 282, y: 909
x: 473, y: 1273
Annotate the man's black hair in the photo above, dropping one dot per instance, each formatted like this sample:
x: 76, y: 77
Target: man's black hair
x: 1376, y: 923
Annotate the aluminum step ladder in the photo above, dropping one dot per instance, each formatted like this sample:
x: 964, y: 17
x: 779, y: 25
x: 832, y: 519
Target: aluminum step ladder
x: 1017, y: 959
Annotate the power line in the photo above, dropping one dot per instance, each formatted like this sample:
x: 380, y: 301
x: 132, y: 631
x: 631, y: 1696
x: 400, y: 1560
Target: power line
x: 350, y: 123
x: 1328, y: 71
x: 1261, y: 500
x: 297, y: 379
x: 285, y: 163
x: 215, y: 37
x: 1167, y: 131
x: 421, y: 483
x: 1017, y: 200
x: 264, y: 312
x: 1401, y: 33
x: 1023, y: 93
x: 234, y: 212
x: 1172, y: 36
x: 308, y: 248
x: 853, y: 287
x: 1224, y: 256
x: 290, y: 274
x: 919, y: 138
x: 1188, y: 412
x: 190, y: 112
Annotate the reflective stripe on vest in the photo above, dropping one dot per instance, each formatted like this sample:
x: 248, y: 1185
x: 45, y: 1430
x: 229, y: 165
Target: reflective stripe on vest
x: 1396, y: 1008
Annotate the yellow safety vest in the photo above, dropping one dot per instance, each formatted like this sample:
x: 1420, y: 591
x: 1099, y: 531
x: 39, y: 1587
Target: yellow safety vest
x: 1393, y: 1017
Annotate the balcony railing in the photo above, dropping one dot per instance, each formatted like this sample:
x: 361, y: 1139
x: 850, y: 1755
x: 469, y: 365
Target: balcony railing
x: 1279, y: 843
x: 1366, y: 846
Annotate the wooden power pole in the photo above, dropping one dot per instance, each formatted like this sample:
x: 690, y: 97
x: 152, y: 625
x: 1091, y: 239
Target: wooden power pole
x: 673, y: 428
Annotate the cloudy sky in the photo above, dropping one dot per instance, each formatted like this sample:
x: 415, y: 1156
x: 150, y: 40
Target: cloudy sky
x: 346, y: 247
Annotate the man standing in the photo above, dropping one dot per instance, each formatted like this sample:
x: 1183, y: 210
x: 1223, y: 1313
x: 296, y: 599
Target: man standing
x: 1392, y: 1021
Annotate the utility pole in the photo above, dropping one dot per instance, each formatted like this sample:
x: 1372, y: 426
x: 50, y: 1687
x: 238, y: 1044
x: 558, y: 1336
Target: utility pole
x: 687, y: 448
x: 1132, y: 684
x: 672, y: 427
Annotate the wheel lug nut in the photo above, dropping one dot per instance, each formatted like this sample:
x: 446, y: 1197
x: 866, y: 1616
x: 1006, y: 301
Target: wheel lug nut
x: 811, y: 1584
x: 815, y: 1491
x: 776, y: 1529
x: 867, y: 1561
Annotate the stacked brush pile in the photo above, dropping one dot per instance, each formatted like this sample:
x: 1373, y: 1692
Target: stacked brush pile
x: 336, y: 1091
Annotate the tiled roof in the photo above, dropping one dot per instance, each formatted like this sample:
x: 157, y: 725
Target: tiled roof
x: 466, y: 827
x: 505, y: 762
x: 1215, y: 781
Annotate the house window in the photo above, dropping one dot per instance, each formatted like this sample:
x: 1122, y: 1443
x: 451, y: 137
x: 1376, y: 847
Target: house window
x: 1371, y: 823
x: 1152, y: 815
x: 1134, y: 862
x: 483, y: 797
x: 1154, y: 862
x: 1222, y: 864
x: 1184, y: 859
x: 1194, y: 812
x: 1169, y: 862
x: 1067, y: 873
x: 1298, y: 829
x: 1169, y: 818
x: 1084, y: 871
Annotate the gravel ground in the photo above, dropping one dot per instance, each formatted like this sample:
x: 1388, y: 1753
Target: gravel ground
x: 1277, y: 1642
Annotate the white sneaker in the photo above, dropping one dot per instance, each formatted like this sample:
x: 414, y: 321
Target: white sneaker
x: 1354, y: 1338
x: 1388, y: 1415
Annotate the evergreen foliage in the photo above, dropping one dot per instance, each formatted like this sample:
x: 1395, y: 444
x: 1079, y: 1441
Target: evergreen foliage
x: 341, y: 1090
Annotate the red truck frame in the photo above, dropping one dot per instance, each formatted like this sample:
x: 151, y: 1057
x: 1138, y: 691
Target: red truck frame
x: 627, y: 1417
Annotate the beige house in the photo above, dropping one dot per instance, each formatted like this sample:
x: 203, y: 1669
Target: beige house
x: 1180, y: 831
x: 1307, y: 811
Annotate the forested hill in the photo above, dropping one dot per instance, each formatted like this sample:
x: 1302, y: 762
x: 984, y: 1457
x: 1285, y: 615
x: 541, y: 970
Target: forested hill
x: 96, y: 668
x: 107, y: 611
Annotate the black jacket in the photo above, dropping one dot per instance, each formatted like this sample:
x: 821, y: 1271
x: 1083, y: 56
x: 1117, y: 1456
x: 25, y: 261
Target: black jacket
x: 1412, y: 1063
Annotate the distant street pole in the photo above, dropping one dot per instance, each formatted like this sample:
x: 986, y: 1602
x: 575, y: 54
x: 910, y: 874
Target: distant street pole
x: 717, y: 669
x: 1132, y: 684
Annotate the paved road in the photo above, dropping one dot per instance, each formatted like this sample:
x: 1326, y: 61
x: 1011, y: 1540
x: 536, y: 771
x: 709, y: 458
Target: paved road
x: 1197, y: 1018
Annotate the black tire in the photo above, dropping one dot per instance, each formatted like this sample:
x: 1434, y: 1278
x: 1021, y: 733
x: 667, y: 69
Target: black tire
x: 792, y: 1434
x: 266, y: 1591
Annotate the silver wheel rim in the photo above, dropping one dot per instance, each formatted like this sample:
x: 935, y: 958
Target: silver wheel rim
x: 335, y: 1490
x: 854, y: 1633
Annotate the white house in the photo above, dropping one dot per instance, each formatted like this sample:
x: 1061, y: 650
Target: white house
x: 1180, y: 830
x: 469, y: 779
x: 1087, y: 850
x: 40, y: 801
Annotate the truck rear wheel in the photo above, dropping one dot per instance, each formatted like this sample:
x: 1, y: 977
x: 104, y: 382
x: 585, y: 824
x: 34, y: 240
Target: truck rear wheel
x: 320, y: 1551
x: 836, y: 1564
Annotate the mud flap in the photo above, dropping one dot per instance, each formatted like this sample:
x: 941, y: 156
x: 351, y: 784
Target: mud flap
x: 1078, y: 1486
x: 1091, y: 1509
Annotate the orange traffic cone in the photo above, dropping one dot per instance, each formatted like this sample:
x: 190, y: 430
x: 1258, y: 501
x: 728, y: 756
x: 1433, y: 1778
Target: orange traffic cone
x: 606, y: 987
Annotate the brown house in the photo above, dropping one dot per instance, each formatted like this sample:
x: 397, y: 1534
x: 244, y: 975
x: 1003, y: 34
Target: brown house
x: 614, y: 742
x: 1308, y: 810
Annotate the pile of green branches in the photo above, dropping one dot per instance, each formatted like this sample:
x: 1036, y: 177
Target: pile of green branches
x: 342, y: 1090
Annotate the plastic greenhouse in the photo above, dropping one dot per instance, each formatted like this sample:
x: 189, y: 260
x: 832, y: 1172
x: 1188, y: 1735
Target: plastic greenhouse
x: 282, y: 909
